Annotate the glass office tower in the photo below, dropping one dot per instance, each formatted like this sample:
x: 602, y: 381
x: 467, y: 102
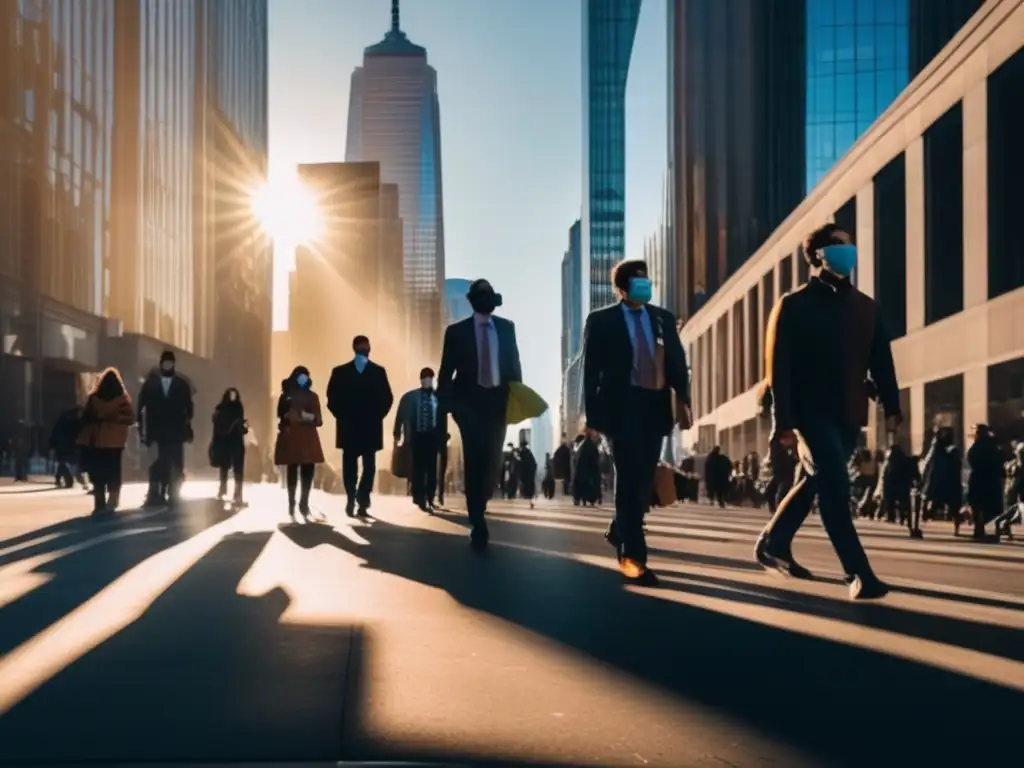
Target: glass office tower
x: 609, y: 28
x: 857, y: 64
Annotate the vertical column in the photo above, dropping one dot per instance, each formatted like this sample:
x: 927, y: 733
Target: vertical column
x: 975, y: 190
x: 745, y: 348
x: 917, y: 418
x: 915, y: 235
x: 975, y: 399
x: 865, y: 238
x: 729, y: 349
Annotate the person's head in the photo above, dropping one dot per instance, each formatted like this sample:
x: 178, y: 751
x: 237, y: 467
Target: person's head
x: 981, y: 431
x: 631, y: 282
x: 167, y: 362
x: 109, y: 386
x: 831, y: 249
x: 231, y: 396
x: 361, y: 346
x: 427, y: 378
x: 482, y: 297
x: 300, y: 377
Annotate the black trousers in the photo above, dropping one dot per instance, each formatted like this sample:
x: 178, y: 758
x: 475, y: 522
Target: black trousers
x: 105, y: 472
x: 636, y: 449
x: 357, y: 487
x: 424, y: 467
x: 482, y: 425
x: 442, y: 471
x: 295, y: 472
x: 236, y: 466
x: 166, y: 474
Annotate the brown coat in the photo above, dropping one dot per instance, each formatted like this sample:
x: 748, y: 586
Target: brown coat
x: 106, y: 422
x: 298, y: 441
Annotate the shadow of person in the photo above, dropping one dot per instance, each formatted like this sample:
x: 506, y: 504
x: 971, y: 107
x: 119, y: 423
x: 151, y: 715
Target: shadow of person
x: 204, y: 675
x: 805, y: 691
x: 95, y: 556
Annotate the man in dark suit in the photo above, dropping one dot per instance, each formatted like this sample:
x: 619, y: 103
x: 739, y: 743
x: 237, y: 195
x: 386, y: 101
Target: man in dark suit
x: 165, y: 411
x: 359, y: 396
x: 479, y: 360
x: 632, y: 362
x: 423, y: 427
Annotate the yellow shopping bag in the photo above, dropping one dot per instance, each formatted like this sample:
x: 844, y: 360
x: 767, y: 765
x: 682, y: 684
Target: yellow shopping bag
x: 523, y: 404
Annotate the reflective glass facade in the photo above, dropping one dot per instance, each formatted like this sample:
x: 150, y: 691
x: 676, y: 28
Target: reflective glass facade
x: 238, y: 67
x: 572, y: 294
x: 609, y: 28
x: 857, y: 64
x: 394, y: 119
x: 56, y: 118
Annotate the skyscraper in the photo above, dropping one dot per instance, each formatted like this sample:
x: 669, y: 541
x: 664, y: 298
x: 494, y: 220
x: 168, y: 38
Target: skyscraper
x: 572, y: 314
x: 394, y: 119
x: 456, y: 305
x: 609, y: 28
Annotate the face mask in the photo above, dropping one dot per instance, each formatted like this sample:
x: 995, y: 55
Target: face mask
x: 362, y: 357
x: 303, y: 380
x: 484, y: 302
x: 639, y: 290
x: 427, y: 383
x: 167, y: 369
x: 233, y: 397
x: 839, y: 259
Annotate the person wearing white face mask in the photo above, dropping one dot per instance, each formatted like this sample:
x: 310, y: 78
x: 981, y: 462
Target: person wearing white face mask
x: 359, y: 396
x: 422, y: 427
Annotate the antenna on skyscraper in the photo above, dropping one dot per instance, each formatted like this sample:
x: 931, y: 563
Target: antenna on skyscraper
x: 394, y: 15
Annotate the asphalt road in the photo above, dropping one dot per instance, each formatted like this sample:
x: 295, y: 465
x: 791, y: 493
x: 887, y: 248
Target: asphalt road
x: 209, y: 636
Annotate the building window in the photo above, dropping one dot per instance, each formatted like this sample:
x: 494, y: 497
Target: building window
x: 753, y: 339
x: 891, y: 245
x: 944, y: 216
x: 767, y: 302
x: 1005, y: 170
x: 721, y: 358
x: 739, y: 360
x: 944, y: 407
x: 1006, y: 400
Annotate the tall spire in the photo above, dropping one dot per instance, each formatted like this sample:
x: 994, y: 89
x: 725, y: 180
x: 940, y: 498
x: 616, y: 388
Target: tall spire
x: 394, y: 16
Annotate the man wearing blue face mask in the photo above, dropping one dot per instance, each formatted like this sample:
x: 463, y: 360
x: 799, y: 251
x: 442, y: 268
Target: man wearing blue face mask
x: 633, y: 362
x: 359, y: 396
x: 826, y: 352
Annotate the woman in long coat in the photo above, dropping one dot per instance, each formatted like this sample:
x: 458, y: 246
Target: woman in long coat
x: 298, y: 442
x: 227, y: 447
x: 102, y: 437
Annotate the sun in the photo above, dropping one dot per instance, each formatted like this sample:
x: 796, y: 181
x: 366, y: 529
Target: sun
x: 288, y: 211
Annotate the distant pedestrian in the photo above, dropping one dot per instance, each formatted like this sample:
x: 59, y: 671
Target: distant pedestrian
x: 102, y: 437
x: 227, y: 446
x: 422, y: 427
x: 165, y: 412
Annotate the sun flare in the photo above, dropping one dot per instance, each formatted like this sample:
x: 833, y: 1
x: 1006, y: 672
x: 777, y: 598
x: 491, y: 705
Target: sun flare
x: 288, y: 211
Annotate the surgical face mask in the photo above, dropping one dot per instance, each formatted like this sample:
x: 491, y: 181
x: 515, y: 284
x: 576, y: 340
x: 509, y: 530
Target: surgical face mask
x: 839, y: 259
x: 302, y: 380
x: 232, y: 396
x: 363, y: 354
x: 427, y: 382
x: 639, y: 290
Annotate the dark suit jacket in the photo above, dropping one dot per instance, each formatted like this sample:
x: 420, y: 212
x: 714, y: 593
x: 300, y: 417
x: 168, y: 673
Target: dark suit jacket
x: 359, y: 402
x: 608, y: 368
x: 457, y: 388
x: 166, y: 418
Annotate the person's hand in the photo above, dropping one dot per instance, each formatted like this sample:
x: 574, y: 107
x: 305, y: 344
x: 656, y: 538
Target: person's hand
x: 892, y: 423
x: 684, y: 416
x: 786, y: 438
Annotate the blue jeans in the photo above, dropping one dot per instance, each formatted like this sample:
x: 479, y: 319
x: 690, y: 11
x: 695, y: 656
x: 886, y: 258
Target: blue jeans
x: 824, y: 451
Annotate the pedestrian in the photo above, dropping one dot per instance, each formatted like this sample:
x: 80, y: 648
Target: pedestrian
x: 479, y: 359
x: 633, y: 363
x: 985, y: 483
x: 526, y: 468
x: 165, y: 411
x: 227, y: 446
x: 102, y: 436
x: 824, y: 342
x: 298, y: 442
x: 417, y: 421
x: 359, y: 396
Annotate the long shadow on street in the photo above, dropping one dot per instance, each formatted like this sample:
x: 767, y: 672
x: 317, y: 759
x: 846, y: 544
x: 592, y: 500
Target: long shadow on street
x: 808, y: 692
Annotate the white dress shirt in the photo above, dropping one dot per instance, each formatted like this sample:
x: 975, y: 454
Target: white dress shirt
x: 485, y: 324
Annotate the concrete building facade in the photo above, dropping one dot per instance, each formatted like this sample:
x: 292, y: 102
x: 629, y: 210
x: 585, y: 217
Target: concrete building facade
x: 929, y: 194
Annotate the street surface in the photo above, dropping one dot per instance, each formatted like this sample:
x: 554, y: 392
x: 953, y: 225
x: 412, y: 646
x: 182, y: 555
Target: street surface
x: 209, y: 636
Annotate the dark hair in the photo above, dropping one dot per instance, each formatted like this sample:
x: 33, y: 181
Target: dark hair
x: 298, y: 371
x: 427, y: 373
x: 478, y: 285
x: 109, y: 385
x: 227, y: 392
x: 357, y: 341
x: 822, y: 237
x: 625, y: 271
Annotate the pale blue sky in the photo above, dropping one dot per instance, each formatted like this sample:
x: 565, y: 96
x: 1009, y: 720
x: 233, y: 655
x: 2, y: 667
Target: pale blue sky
x: 509, y: 84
